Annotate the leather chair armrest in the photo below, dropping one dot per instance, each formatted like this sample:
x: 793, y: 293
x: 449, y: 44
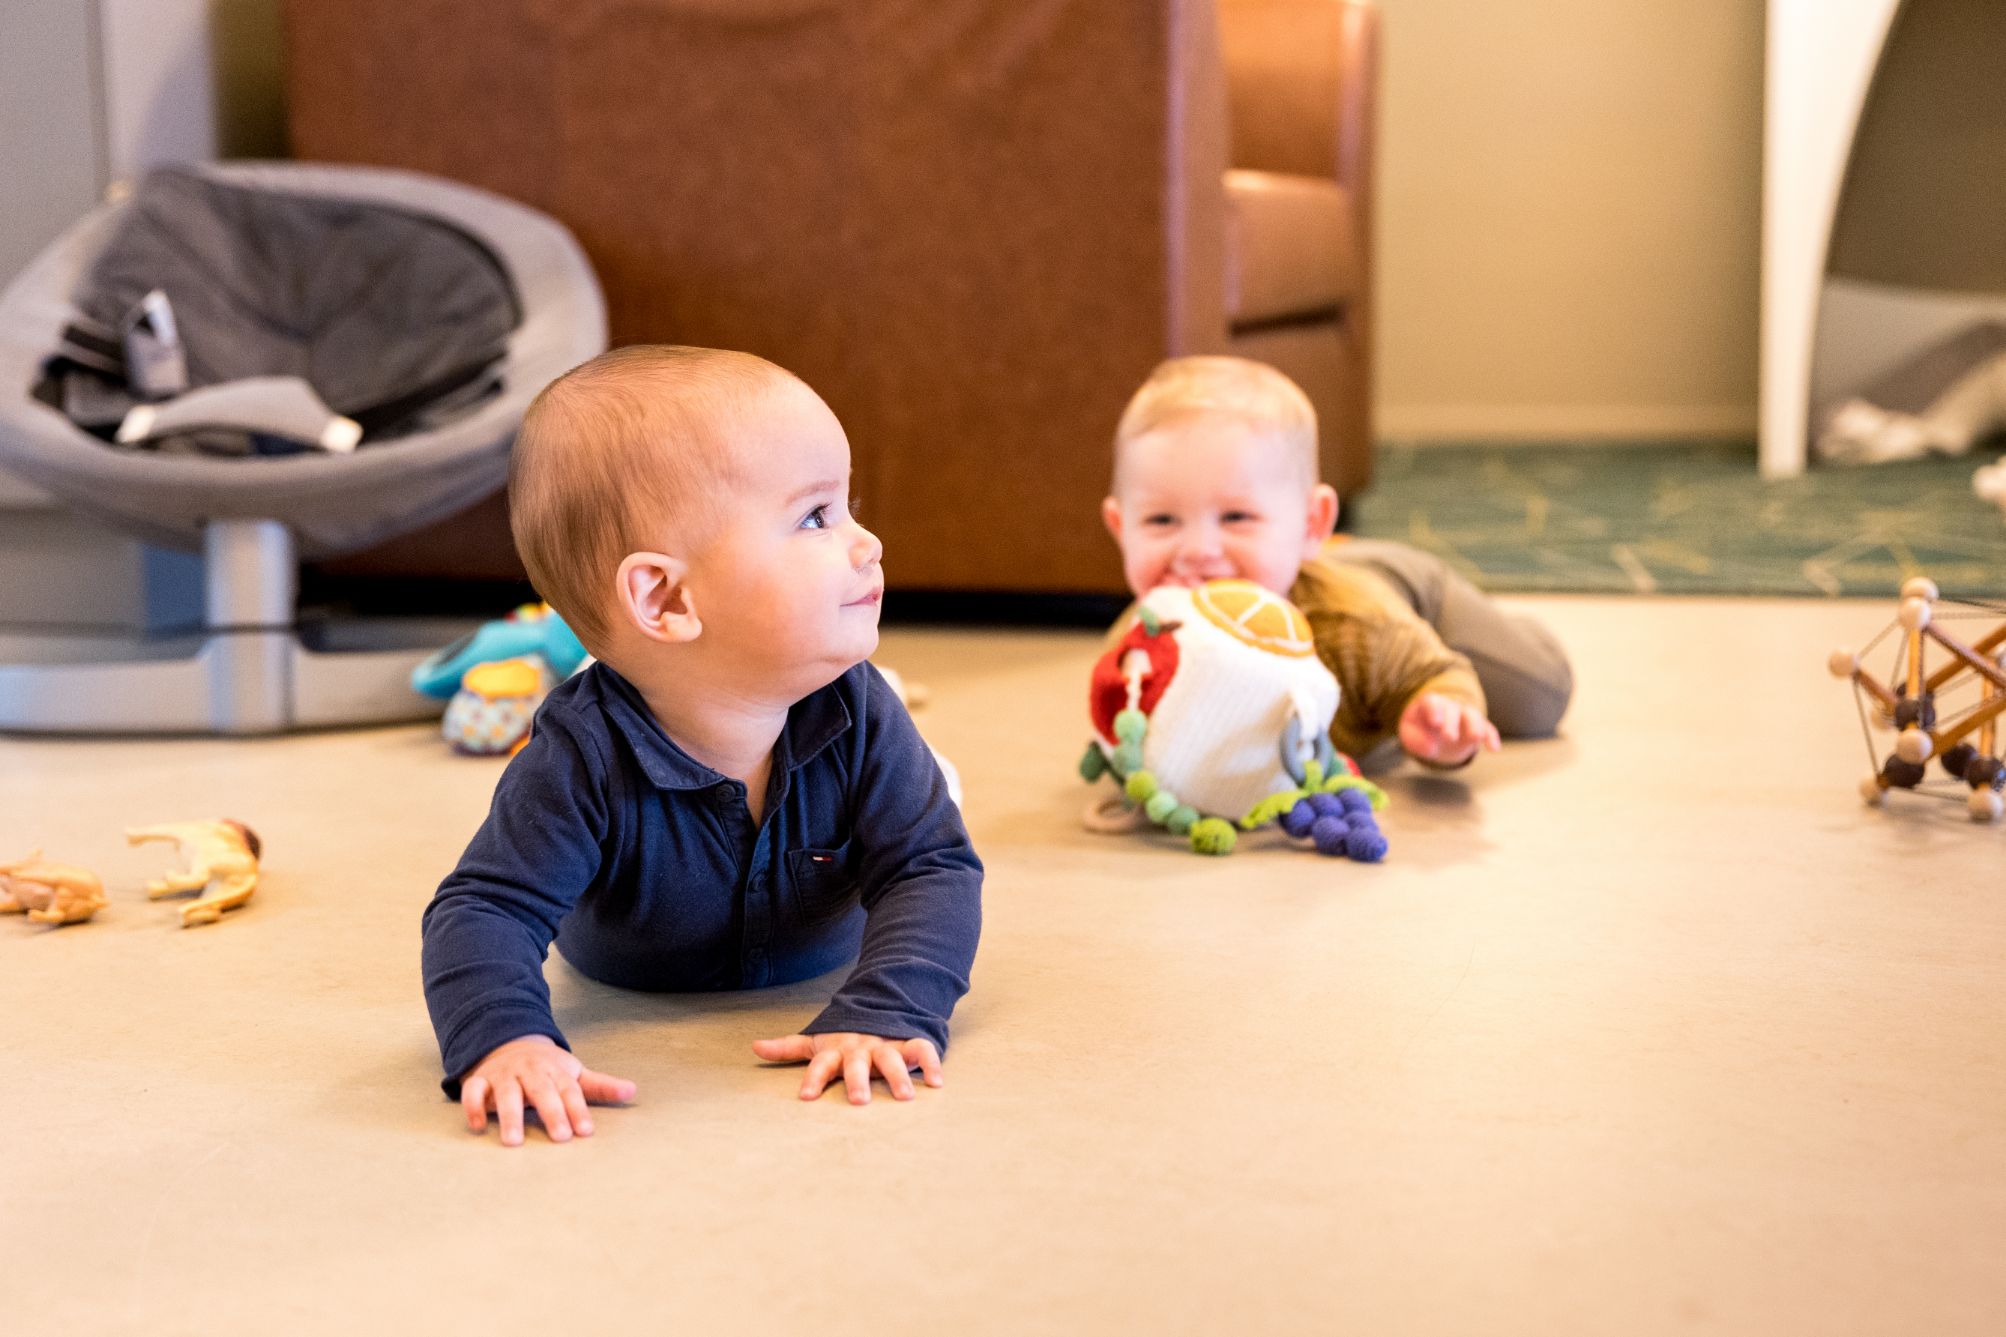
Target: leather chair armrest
x: 1302, y: 81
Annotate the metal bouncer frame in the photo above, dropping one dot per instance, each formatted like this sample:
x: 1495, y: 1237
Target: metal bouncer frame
x: 249, y: 670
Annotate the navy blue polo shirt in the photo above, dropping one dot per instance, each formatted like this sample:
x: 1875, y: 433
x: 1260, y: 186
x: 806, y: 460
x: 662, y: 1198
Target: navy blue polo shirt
x: 645, y: 868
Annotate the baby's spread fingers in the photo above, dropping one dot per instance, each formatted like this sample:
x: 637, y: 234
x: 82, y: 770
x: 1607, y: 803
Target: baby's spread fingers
x: 892, y: 1064
x: 785, y: 1049
x: 1454, y: 725
x: 474, y: 1101
x: 604, y: 1090
x: 923, y: 1053
x: 574, y: 1109
x: 823, y: 1067
x: 857, y: 1075
x: 550, y: 1109
x: 508, y: 1111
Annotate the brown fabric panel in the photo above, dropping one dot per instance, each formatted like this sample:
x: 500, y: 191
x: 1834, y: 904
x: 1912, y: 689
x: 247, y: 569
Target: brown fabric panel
x: 435, y: 85
x: 1295, y: 73
x: 1025, y: 286
x: 973, y: 225
x: 1289, y: 251
x: 1323, y: 357
x: 473, y: 544
x: 1303, y: 80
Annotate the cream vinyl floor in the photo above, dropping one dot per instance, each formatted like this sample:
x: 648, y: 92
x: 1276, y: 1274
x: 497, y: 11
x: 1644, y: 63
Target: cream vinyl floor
x: 1652, y: 1028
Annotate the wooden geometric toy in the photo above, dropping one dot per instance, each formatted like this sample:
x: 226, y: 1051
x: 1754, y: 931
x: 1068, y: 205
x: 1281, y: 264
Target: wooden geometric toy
x: 1942, y: 698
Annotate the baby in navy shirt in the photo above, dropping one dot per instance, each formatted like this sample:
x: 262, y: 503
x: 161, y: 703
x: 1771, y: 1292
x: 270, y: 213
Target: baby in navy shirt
x: 731, y: 797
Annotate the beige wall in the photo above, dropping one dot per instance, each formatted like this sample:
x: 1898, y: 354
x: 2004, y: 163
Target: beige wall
x: 1568, y: 217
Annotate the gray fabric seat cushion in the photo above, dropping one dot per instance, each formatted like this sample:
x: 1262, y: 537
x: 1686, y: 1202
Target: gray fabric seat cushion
x: 332, y: 503
x: 383, y: 311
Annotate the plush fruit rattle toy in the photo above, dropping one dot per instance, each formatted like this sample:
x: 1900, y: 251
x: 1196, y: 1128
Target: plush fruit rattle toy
x: 1213, y: 715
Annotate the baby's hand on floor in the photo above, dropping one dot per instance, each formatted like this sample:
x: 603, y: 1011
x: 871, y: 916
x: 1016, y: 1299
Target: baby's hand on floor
x: 1444, y: 731
x: 556, y: 1085
x: 855, y: 1057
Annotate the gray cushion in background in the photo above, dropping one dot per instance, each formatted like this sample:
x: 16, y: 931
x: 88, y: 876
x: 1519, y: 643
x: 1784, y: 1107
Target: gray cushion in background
x: 333, y: 504
x: 380, y: 309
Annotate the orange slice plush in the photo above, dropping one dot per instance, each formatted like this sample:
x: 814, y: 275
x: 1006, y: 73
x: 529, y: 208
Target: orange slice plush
x: 1255, y: 616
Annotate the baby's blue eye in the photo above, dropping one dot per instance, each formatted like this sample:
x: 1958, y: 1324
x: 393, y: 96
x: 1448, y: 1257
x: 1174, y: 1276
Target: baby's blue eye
x: 1159, y: 520
x: 816, y: 519
x: 1236, y: 517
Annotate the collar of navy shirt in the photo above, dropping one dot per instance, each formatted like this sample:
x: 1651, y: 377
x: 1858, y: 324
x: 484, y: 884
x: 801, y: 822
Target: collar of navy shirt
x: 815, y: 721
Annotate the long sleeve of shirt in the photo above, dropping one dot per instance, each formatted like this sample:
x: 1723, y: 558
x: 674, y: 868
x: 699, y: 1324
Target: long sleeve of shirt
x: 489, y: 928
x: 921, y: 886
x: 1381, y: 651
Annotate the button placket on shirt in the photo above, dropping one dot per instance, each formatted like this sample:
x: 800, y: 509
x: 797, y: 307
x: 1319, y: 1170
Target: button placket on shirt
x: 758, y: 893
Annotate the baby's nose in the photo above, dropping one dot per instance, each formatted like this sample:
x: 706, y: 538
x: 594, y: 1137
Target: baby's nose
x: 1201, y: 543
x: 865, y: 549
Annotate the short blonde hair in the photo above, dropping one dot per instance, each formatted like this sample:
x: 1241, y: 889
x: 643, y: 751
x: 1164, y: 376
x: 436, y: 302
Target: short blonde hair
x: 1251, y: 392
x: 625, y: 453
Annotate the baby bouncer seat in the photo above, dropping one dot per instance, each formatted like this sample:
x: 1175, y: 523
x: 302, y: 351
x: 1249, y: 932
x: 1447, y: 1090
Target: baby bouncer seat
x: 255, y: 667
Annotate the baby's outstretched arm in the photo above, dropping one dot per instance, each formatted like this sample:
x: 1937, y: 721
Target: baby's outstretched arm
x: 857, y: 1057
x: 533, y: 1070
x: 921, y: 887
x: 488, y: 929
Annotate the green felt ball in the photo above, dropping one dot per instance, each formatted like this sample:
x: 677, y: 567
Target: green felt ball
x: 1344, y: 780
x: 1181, y: 819
x: 1160, y: 805
x: 1128, y: 758
x: 1140, y: 787
x: 1130, y: 726
x: 1213, y: 835
x: 1093, y: 764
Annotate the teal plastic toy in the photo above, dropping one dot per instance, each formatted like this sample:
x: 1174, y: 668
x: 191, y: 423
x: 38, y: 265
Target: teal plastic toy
x: 533, y: 629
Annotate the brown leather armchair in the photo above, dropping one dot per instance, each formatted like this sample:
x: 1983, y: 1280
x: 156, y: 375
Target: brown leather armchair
x: 972, y: 225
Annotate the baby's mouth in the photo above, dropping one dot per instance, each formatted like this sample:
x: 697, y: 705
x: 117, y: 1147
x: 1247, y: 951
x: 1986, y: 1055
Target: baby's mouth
x: 871, y: 600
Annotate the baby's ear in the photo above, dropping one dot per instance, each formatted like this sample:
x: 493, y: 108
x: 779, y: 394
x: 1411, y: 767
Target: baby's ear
x: 1322, y: 516
x: 1111, y: 516
x: 655, y: 597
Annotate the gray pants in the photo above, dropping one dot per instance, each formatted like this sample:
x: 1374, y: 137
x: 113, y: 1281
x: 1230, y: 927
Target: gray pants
x: 1525, y: 675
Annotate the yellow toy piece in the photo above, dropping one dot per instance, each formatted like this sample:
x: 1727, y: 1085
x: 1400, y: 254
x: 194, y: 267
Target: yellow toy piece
x: 490, y: 715
x: 1255, y: 616
x: 50, y: 893
x: 221, y: 853
x: 505, y: 677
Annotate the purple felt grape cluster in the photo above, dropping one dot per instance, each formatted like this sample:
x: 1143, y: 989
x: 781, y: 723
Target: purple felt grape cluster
x: 1341, y: 825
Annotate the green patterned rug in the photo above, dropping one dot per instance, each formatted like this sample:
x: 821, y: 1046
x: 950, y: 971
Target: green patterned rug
x: 1685, y: 519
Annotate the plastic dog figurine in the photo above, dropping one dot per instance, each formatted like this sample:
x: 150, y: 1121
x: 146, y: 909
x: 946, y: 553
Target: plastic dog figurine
x: 223, y: 863
x: 51, y: 893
